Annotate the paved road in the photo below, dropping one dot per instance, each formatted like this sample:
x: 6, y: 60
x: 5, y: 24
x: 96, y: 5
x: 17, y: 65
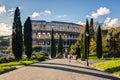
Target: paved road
x: 58, y: 69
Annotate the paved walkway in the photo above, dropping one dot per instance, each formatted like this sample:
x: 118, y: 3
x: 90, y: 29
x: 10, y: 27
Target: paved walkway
x: 58, y: 69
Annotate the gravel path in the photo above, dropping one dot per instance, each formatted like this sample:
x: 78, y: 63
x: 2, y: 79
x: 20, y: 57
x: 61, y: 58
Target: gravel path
x: 58, y: 69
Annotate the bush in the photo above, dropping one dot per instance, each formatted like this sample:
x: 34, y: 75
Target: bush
x: 8, y: 58
x: 41, y: 56
x: 37, y: 48
x: 112, y: 54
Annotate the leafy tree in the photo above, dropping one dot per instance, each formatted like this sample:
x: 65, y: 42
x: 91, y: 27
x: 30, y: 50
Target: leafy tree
x: 77, y: 51
x: 17, y: 41
x: 72, y: 49
x: 9, y: 48
x: 53, y: 46
x: 60, y: 46
x: 99, y: 43
x: 28, y: 37
x: 92, y: 46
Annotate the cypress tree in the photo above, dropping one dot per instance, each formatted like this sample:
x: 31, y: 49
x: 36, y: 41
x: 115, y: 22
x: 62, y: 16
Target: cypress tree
x: 86, y: 39
x: 53, y: 46
x: 17, y: 41
x: 85, y: 42
x: 82, y: 47
x: 91, y: 30
x: 99, y: 43
x: 60, y: 46
x: 28, y: 37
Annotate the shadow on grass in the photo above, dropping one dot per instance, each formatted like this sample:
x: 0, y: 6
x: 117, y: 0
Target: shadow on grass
x: 114, y: 69
x: 74, y: 70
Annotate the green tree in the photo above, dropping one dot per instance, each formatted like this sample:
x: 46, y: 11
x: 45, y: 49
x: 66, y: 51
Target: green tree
x: 77, y: 51
x: 99, y: 43
x: 85, y: 42
x: 86, y: 39
x: 92, y: 47
x: 17, y: 41
x: 72, y: 49
x: 91, y: 30
x: 82, y: 47
x: 28, y: 37
x: 53, y: 46
x: 60, y: 46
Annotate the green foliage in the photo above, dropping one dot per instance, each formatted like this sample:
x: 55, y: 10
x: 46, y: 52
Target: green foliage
x: 37, y: 48
x: 40, y: 56
x: 77, y: 44
x: 60, y: 46
x: 5, y: 59
x: 53, y: 46
x: 105, y: 45
x: 17, y: 42
x: 9, y: 48
x: 82, y: 48
x: 85, y: 41
x: 28, y: 37
x: 92, y: 46
x: 91, y: 30
x: 35, y: 56
x: 113, y: 43
x: 72, y: 49
x: 99, y: 43
x: 112, y: 54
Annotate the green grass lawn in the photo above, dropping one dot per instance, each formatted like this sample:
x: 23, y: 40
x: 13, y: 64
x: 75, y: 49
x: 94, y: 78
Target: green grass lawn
x: 112, y: 66
x: 10, y: 65
x: 94, y: 57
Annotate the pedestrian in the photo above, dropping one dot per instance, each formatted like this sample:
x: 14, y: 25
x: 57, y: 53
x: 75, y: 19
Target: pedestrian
x: 70, y: 56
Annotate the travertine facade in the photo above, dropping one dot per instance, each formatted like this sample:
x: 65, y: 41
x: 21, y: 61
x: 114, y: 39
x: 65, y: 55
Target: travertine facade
x: 41, y: 33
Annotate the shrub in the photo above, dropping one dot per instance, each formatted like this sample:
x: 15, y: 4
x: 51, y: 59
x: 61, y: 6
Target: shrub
x: 112, y: 54
x: 8, y: 58
x: 39, y: 55
x: 37, y: 48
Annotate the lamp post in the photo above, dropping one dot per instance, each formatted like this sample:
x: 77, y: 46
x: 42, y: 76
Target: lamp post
x: 87, y: 35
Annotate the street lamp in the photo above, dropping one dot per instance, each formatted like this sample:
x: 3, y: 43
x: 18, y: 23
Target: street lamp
x: 87, y: 35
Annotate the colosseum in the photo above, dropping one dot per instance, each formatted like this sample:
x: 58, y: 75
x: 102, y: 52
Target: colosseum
x: 41, y: 33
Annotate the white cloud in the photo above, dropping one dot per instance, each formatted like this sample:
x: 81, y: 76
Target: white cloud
x: 35, y: 14
x: 80, y: 23
x: 2, y: 8
x: 100, y: 12
x: 61, y: 16
x: 109, y: 23
x: 5, y: 29
x: 47, y: 12
x: 11, y: 12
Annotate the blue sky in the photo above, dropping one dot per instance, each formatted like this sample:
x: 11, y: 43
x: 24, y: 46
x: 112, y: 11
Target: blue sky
x: 76, y: 11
